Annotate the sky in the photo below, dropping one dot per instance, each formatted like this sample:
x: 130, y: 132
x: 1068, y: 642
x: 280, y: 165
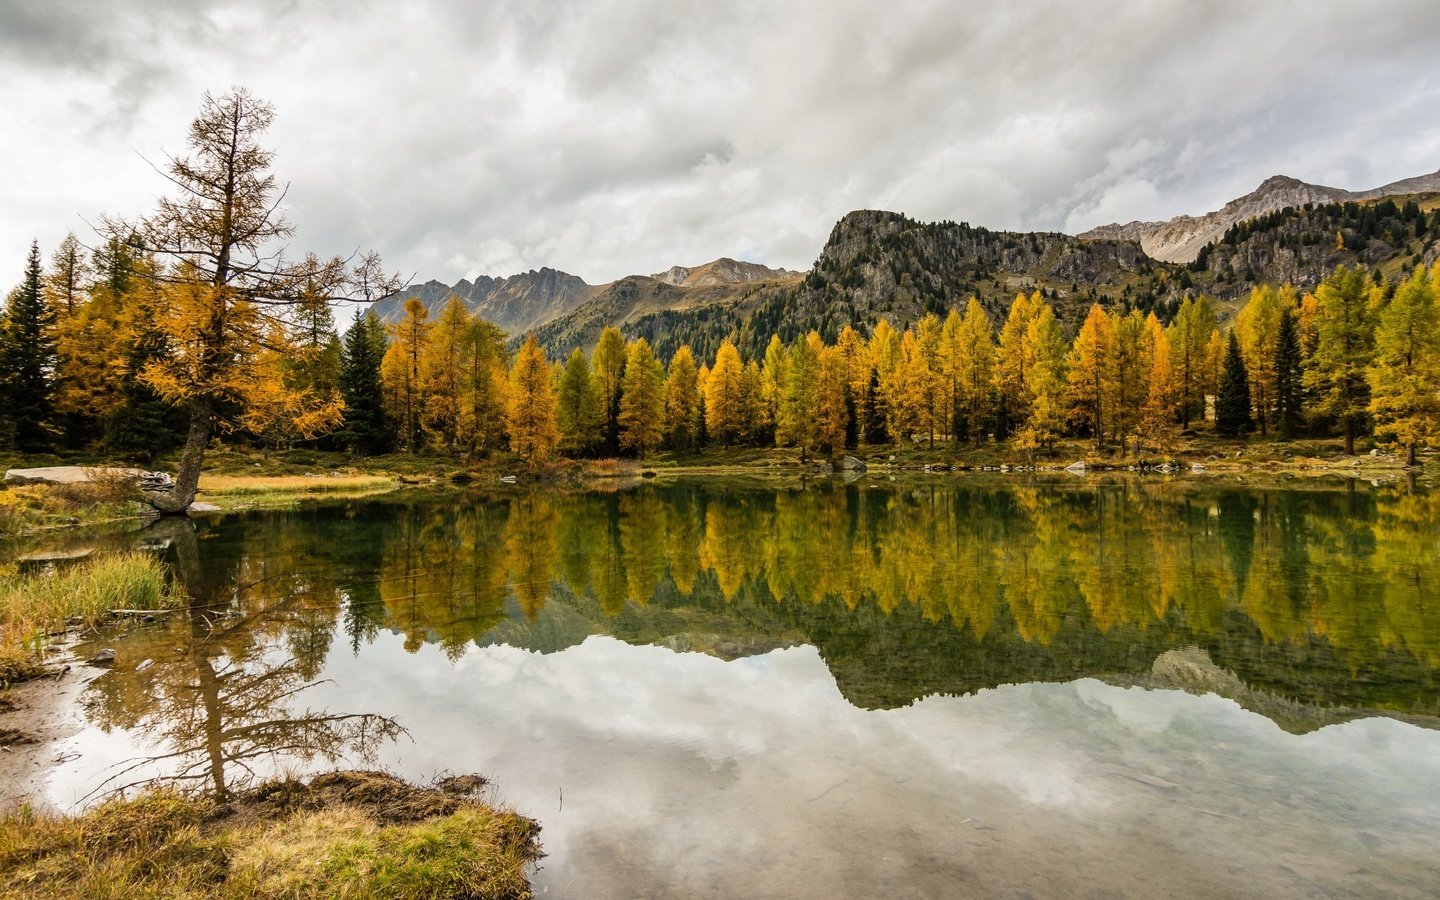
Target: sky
x: 607, y: 138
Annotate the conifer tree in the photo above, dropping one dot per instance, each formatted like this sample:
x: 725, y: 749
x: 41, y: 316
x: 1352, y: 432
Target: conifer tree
x: 774, y: 382
x: 1232, y: 403
x: 1289, y: 387
x: 400, y: 374
x: 1049, y: 381
x: 1405, y: 375
x: 27, y: 359
x: 530, y: 418
x: 796, y: 426
x: 1190, y: 336
x: 1258, y: 325
x: 578, y: 412
x: 1345, y: 343
x: 484, y: 386
x: 607, y: 367
x: 364, y: 428
x: 755, y: 427
x: 1013, y: 362
x: 642, y: 401
x: 724, y: 413
x: 832, y: 401
x: 441, y: 370
x: 1090, y: 373
x: 1128, y: 381
x: 682, y: 400
x: 1157, y: 416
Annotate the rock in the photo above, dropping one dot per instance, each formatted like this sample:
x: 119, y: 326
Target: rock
x: 851, y: 464
x: 1198, y: 467
x: 145, y: 665
x: 1077, y: 466
x: 63, y: 475
x: 508, y: 479
x: 105, y: 657
x: 200, y: 506
x: 1375, y: 452
x: 1004, y: 467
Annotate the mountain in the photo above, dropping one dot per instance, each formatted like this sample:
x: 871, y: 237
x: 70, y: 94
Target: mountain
x: 517, y: 304
x: 722, y: 271
x: 1180, y: 239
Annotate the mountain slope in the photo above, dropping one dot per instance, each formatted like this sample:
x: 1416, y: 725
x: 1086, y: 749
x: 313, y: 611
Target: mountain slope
x: 1180, y: 239
x: 517, y: 304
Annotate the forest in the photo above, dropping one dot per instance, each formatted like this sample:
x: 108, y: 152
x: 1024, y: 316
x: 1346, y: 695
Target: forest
x: 184, y: 325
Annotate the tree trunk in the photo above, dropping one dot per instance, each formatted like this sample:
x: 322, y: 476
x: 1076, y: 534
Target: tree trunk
x: 1409, y: 455
x: 1349, y: 436
x: 177, y: 501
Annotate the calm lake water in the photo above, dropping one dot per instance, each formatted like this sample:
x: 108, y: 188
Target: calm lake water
x: 949, y: 687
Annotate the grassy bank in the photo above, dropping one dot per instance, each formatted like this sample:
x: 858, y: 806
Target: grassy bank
x: 41, y: 506
x: 235, y: 491
x: 344, y: 834
x: 36, y: 605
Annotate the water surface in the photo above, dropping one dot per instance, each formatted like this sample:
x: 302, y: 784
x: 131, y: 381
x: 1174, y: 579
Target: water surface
x: 940, y: 687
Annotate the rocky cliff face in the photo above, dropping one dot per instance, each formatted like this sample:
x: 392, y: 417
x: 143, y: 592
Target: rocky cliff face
x: 517, y: 304
x: 721, y: 271
x: 1180, y: 239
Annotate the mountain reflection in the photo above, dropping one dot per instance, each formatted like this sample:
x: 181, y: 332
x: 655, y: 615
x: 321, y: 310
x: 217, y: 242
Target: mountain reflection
x: 1322, y: 597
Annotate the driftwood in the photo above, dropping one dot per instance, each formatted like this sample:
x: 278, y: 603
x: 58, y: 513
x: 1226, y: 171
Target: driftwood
x: 138, y: 613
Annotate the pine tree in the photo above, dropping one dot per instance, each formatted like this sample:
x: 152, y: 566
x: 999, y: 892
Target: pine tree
x: 27, y: 359
x: 364, y: 428
x: 1232, y: 405
x: 1405, y: 376
x: 1289, y: 388
x: 682, y: 401
x: 530, y: 419
x: 642, y: 401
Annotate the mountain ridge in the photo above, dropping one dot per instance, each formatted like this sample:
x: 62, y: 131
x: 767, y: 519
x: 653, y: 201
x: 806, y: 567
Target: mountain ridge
x: 1181, y: 238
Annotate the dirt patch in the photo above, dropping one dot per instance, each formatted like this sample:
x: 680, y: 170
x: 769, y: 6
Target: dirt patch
x: 383, y: 798
x: 42, y: 712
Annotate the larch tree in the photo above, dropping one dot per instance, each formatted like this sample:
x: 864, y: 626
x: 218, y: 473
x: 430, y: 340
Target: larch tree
x: 400, y: 373
x: 484, y: 386
x: 1405, y: 375
x: 642, y: 401
x: 1013, y: 363
x: 1129, y: 377
x: 607, y: 366
x: 1049, y: 382
x: 1190, y: 335
x: 1344, y: 348
x: 756, y: 427
x: 441, y: 370
x: 682, y: 401
x: 796, y: 427
x: 1157, y: 416
x: 577, y: 406
x: 724, y: 413
x: 1090, y: 373
x: 774, y: 382
x: 976, y: 365
x: 833, y: 405
x: 1258, y: 326
x: 218, y: 239
x: 530, y: 416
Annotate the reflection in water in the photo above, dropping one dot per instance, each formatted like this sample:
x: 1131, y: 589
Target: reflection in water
x: 960, y: 688
x: 218, y: 692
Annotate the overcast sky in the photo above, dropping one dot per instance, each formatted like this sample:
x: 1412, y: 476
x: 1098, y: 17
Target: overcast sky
x: 607, y: 138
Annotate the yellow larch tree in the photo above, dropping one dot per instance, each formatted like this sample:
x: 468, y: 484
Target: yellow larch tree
x: 642, y: 401
x: 832, y: 401
x: 682, y: 400
x: 1090, y: 373
x: 1013, y: 363
x: 400, y: 381
x: 1405, y: 375
x: 724, y: 416
x: 530, y: 415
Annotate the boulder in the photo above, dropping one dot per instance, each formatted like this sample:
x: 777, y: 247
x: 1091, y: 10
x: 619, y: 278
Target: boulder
x: 62, y: 475
x: 851, y: 464
x: 1077, y: 466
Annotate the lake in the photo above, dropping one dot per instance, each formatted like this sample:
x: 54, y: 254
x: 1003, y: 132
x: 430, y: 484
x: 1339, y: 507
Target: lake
x: 1085, y: 687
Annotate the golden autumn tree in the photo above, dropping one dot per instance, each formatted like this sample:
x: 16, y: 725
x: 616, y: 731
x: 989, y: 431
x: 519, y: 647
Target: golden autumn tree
x: 724, y: 413
x: 441, y: 363
x: 1257, y: 326
x: 400, y: 376
x: 1090, y: 373
x: 216, y: 238
x: 832, y: 401
x: 1156, y: 417
x: 1013, y: 361
x: 530, y: 416
x: 642, y: 401
x: 1129, y: 376
x: 976, y: 349
x: 1049, y: 383
x: 682, y: 400
x: 1405, y: 375
x: 1190, y: 337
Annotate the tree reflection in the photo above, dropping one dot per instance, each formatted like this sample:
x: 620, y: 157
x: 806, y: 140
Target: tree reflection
x: 221, y: 697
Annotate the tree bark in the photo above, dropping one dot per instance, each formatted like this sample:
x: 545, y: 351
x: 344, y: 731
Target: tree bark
x: 1409, y: 456
x: 177, y: 501
x: 1349, y: 436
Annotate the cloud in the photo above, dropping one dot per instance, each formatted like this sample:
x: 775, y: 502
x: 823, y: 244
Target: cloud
x: 608, y: 138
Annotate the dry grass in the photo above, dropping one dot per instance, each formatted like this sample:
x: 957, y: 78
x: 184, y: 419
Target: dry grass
x: 40, y: 506
x: 254, y: 490
x: 281, y: 840
x: 36, y: 605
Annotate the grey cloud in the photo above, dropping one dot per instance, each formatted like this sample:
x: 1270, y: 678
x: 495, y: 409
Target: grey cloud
x: 606, y: 138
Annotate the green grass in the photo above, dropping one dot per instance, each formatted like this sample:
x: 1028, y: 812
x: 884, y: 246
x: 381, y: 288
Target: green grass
x: 36, y: 605
x: 163, y: 843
